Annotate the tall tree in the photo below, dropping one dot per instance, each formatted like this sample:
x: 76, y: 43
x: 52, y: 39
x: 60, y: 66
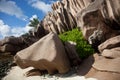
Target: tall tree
x: 34, y: 22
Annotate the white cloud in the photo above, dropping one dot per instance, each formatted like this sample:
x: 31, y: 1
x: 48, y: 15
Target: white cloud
x: 38, y: 4
x: 6, y: 30
x: 52, y: 1
x: 17, y: 31
x: 33, y: 16
x: 10, y: 7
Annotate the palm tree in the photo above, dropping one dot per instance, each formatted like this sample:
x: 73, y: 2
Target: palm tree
x: 34, y: 22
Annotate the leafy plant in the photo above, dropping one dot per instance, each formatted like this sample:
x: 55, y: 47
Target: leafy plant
x: 83, y: 48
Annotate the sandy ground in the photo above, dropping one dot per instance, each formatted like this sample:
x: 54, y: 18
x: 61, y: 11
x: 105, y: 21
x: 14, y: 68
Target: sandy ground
x: 17, y: 73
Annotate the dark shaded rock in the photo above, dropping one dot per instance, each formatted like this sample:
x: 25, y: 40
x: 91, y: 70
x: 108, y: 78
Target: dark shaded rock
x: 96, y: 38
x: 72, y: 53
x: 12, y: 40
x: 9, y: 48
x: 39, y: 31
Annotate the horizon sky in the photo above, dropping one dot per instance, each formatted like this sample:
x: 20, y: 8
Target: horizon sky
x: 16, y: 14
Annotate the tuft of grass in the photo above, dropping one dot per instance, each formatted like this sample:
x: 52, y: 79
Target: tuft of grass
x: 83, y: 48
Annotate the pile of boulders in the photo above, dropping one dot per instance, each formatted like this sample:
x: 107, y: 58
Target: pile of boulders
x: 103, y: 65
x: 99, y: 21
x: 100, y: 25
x: 14, y: 44
x: 11, y: 44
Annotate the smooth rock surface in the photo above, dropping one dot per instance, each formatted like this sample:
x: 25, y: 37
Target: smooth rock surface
x: 110, y: 43
x: 46, y: 54
x: 108, y: 65
x: 111, y: 53
x: 98, y: 67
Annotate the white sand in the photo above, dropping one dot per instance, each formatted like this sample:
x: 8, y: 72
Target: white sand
x: 17, y: 73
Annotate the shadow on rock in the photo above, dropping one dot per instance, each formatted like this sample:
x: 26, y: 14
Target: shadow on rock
x: 85, y: 66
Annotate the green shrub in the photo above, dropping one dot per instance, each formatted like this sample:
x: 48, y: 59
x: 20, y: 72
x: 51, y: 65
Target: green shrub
x: 83, y: 48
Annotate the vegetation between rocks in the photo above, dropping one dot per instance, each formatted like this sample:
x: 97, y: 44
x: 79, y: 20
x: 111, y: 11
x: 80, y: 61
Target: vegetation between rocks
x: 83, y: 48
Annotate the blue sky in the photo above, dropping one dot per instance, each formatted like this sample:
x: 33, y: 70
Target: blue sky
x: 16, y: 14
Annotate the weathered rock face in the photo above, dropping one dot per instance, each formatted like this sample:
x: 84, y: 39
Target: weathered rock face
x: 46, y: 54
x: 111, y: 12
x: 75, y: 6
x: 100, y: 24
x: 99, y: 16
x: 60, y: 20
x: 63, y: 16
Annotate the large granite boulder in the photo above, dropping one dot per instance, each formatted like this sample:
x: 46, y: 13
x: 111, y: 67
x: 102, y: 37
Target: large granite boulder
x: 99, y: 67
x: 107, y: 65
x: 46, y: 54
